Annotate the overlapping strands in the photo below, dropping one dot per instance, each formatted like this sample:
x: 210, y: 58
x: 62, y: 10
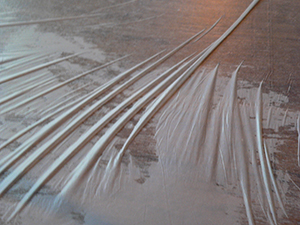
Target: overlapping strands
x: 225, y: 128
x: 49, y: 20
x: 225, y: 144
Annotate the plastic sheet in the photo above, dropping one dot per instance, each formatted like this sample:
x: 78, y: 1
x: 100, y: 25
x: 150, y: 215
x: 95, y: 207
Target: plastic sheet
x: 187, y: 145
